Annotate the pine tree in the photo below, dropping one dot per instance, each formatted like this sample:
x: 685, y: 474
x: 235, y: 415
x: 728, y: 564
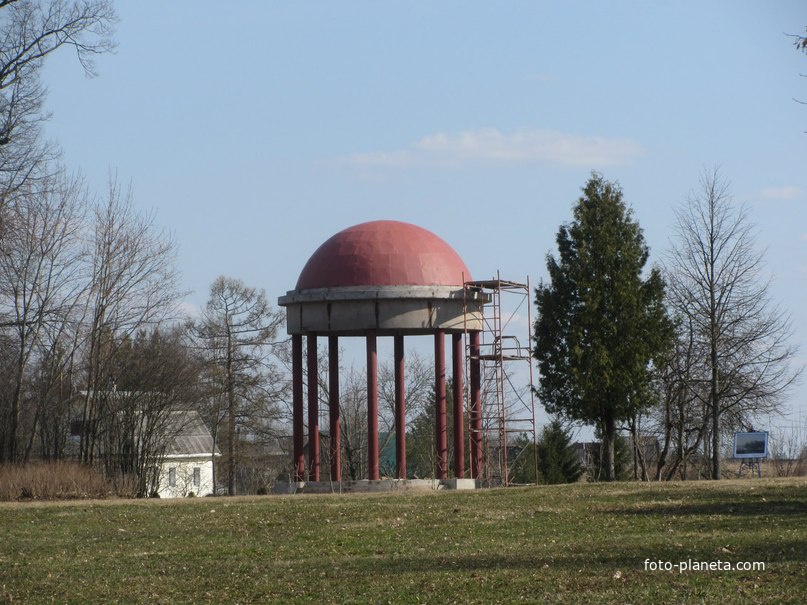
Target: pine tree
x: 557, y: 460
x: 600, y: 324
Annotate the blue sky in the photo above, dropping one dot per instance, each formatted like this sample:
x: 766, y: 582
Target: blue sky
x: 258, y: 130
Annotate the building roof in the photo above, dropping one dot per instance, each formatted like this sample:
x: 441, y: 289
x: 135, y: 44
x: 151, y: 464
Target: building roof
x: 383, y: 253
x: 189, y: 435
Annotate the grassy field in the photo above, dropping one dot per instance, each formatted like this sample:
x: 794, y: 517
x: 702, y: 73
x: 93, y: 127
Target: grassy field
x: 582, y: 543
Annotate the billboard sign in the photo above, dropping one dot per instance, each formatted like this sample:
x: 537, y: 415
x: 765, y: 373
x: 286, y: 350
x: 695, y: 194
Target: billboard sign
x: 751, y: 445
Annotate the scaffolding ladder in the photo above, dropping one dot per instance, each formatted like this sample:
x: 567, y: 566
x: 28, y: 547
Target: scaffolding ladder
x: 508, y: 412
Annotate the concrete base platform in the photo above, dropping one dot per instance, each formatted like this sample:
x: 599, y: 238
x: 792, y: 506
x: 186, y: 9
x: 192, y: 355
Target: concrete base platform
x: 461, y: 483
x: 367, y: 486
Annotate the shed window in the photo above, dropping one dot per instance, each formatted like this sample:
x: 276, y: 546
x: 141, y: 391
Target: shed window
x: 197, y: 476
x: 172, y: 477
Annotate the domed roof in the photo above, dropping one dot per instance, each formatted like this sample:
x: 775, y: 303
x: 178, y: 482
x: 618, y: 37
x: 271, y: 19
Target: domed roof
x: 383, y: 253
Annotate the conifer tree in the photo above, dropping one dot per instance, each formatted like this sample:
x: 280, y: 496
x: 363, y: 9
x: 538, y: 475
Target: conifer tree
x: 600, y: 323
x: 557, y: 460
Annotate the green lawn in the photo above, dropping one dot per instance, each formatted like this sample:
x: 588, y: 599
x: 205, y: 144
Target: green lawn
x: 584, y: 543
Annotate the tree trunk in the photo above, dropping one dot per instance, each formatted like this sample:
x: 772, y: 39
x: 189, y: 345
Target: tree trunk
x: 715, y: 436
x: 661, y: 461
x: 215, y: 435
x: 231, y: 487
x: 14, y: 418
x: 714, y: 400
x: 609, y: 444
x: 715, y: 404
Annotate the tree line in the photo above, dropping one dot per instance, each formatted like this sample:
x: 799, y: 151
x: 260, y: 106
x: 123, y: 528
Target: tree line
x: 688, y: 351
x: 95, y: 354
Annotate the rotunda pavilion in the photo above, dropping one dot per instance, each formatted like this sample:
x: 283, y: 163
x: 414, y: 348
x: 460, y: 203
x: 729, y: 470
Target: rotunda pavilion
x: 375, y: 280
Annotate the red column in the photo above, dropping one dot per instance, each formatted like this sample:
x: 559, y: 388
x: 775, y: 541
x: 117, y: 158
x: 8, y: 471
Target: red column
x: 441, y: 443
x: 333, y: 405
x: 476, y: 408
x: 457, y: 393
x: 298, y: 459
x: 372, y: 408
x: 313, y: 409
x: 400, y: 409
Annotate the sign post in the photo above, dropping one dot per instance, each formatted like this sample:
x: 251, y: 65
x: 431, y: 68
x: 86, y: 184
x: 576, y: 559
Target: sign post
x: 750, y: 448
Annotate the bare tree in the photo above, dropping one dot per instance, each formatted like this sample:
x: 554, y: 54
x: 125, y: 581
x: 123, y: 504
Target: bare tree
x: 30, y: 31
x: 718, y: 291
x: 418, y: 387
x: 680, y: 421
x: 353, y: 418
x: 236, y: 334
x: 54, y: 385
x: 800, y: 43
x: 40, y: 259
x: 133, y: 286
x: 156, y: 383
x: 418, y: 393
x: 789, y: 451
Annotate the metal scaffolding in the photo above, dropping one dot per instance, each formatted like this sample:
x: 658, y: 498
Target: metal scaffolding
x: 508, y: 409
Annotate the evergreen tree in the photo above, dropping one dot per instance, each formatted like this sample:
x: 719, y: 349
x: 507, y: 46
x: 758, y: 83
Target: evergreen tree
x: 600, y: 324
x: 557, y: 460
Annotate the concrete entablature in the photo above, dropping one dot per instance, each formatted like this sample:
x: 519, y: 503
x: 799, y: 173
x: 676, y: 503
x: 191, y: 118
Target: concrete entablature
x: 385, y: 310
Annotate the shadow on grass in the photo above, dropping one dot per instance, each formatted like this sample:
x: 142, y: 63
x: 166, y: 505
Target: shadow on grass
x: 778, y: 507
x: 793, y: 552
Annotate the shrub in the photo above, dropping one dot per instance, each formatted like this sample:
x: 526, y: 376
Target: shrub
x: 52, y: 481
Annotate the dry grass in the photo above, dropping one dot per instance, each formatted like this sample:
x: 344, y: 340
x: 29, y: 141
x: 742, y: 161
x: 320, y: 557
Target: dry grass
x: 54, y: 481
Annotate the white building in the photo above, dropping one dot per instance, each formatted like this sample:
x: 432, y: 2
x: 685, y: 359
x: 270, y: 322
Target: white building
x: 188, y: 463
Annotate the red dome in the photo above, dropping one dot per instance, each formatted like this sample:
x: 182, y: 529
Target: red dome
x: 383, y: 253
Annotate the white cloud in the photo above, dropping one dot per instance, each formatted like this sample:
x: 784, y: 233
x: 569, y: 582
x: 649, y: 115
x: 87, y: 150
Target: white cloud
x: 491, y: 145
x: 189, y: 310
x: 782, y: 193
